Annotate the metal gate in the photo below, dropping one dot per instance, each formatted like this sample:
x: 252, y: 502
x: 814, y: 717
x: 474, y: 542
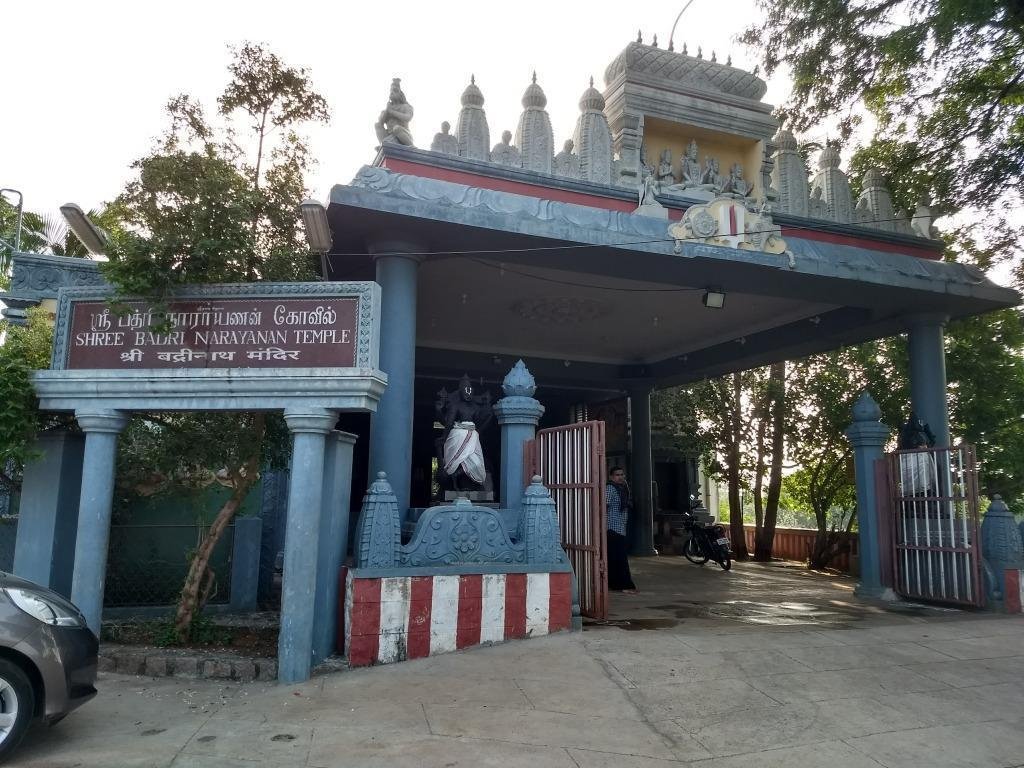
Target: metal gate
x: 936, y: 544
x: 570, y: 460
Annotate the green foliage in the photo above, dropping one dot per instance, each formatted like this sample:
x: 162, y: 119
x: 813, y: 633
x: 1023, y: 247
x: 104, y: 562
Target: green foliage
x: 25, y: 349
x: 942, y: 79
x: 162, y: 633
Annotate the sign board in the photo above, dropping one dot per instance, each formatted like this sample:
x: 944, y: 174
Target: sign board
x: 252, y: 325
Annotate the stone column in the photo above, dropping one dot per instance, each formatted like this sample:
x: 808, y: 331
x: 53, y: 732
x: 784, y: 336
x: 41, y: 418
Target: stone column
x: 391, y: 427
x: 928, y: 373
x: 98, y: 465
x: 309, y: 428
x: 245, y: 564
x: 867, y: 435
x: 518, y: 413
x: 337, y: 495
x: 642, y: 475
x: 44, y: 550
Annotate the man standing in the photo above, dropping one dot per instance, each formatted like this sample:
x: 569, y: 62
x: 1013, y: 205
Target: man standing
x: 619, y: 504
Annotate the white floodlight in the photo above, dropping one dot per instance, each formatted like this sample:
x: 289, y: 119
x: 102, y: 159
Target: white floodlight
x: 92, y: 237
x: 318, y: 230
x: 713, y: 299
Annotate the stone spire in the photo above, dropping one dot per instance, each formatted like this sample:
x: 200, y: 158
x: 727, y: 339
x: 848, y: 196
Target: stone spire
x: 789, y: 177
x: 876, y: 196
x: 471, y: 130
x: 834, y: 186
x: 593, y: 138
x: 534, y: 137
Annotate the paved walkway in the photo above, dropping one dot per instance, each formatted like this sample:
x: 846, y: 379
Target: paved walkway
x: 765, y: 666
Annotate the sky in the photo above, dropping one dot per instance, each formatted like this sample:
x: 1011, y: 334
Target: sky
x: 93, y: 77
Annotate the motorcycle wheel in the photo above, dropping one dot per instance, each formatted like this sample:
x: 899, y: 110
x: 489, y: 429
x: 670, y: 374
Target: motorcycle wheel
x: 725, y: 562
x: 693, y: 553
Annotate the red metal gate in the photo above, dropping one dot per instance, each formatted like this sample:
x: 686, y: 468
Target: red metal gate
x: 570, y: 460
x: 935, y: 538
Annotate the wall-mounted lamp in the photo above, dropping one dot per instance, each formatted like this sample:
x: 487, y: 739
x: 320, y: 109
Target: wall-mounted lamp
x: 713, y: 299
x: 318, y: 230
x: 92, y: 237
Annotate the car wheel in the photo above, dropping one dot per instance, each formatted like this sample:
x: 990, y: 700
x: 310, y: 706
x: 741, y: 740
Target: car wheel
x: 17, y: 703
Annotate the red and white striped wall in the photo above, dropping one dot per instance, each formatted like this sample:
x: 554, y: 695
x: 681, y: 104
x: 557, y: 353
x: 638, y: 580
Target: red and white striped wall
x: 395, y: 618
x: 1014, y: 590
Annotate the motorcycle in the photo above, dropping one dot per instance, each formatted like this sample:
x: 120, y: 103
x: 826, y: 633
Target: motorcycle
x: 707, y: 542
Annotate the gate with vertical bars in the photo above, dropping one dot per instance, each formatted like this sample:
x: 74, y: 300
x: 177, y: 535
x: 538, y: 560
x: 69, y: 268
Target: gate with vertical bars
x: 570, y: 461
x: 934, y: 523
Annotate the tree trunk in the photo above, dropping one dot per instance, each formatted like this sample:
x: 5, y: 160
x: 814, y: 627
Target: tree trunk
x: 764, y: 543
x: 736, y: 532
x: 194, y: 592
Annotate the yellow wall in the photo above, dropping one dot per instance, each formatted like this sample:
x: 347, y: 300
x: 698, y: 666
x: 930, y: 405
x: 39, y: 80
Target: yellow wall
x: 661, y: 134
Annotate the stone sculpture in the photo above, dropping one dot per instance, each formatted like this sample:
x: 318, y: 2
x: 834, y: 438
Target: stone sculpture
x: 875, y: 193
x: 862, y: 213
x: 471, y: 131
x: 393, y: 123
x: 444, y: 141
x: 593, y: 139
x: 736, y: 184
x: 834, y: 186
x: 712, y: 178
x: 464, y: 414
x: 506, y: 154
x: 921, y: 222
x: 534, y: 136
x: 566, y: 163
x: 690, y: 167
x: 665, y: 168
x: 789, y: 176
x: 817, y: 208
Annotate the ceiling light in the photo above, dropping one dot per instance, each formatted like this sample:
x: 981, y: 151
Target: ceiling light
x: 713, y: 299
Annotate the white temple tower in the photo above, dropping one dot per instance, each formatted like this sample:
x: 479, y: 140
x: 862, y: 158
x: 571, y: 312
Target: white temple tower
x: 534, y: 137
x: 789, y: 177
x: 593, y: 138
x: 471, y: 130
x: 879, y: 201
x: 835, y: 187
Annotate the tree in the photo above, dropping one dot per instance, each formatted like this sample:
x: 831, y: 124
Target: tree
x: 943, y: 81
x: 209, y: 207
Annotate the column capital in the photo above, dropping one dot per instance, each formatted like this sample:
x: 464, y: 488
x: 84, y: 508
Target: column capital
x: 343, y: 437
x: 518, y: 410
x: 101, y: 421
x: 399, y: 248
x: 315, y: 420
x: 925, y: 319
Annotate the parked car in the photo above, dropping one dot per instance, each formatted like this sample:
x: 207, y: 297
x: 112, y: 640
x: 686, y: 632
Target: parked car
x: 47, y: 658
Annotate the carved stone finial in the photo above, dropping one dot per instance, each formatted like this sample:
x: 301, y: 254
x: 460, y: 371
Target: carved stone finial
x: 639, y: 36
x: 684, y: 49
x: 700, y: 52
x: 866, y: 409
x: 728, y: 60
x: 519, y: 382
x: 379, y: 531
x: 591, y: 81
x: 539, y: 525
x: 534, y: 136
x: 654, y: 43
x: 471, y: 131
x: 535, y: 76
x: 757, y: 68
x: 714, y: 57
x: 593, y: 138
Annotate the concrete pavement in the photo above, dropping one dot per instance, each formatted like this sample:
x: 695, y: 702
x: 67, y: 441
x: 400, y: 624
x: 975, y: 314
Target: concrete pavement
x: 762, y: 666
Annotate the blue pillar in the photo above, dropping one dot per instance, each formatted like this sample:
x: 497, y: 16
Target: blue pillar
x: 309, y: 428
x: 337, y: 495
x: 94, y: 509
x: 927, y: 354
x: 868, y: 435
x: 642, y: 480
x: 245, y: 563
x: 391, y: 427
x: 518, y: 413
x: 44, y: 550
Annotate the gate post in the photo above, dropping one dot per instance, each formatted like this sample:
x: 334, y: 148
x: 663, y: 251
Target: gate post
x: 518, y: 414
x: 309, y: 428
x: 868, y: 435
x: 643, y: 471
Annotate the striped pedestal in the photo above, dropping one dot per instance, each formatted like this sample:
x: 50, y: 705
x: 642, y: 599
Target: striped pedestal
x: 393, y: 618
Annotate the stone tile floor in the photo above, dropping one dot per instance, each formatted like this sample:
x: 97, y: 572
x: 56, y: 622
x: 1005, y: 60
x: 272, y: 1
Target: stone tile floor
x: 766, y: 666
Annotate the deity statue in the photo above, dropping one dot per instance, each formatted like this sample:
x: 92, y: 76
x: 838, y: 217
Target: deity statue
x: 393, y: 123
x: 711, y: 178
x: 817, y: 208
x: 464, y: 414
x: 444, y: 141
x: 505, y: 154
x: 862, y: 213
x: 690, y: 167
x: 566, y: 163
x: 736, y: 184
x: 648, y: 188
x: 665, y: 168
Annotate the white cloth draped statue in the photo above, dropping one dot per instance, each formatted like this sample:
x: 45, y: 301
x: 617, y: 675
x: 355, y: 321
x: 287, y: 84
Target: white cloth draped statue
x: 462, y: 451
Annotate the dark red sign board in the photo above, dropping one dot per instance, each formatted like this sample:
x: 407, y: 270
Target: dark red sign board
x: 216, y: 333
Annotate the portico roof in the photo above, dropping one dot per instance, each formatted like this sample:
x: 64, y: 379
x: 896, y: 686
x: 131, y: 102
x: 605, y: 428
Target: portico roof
x: 505, y: 273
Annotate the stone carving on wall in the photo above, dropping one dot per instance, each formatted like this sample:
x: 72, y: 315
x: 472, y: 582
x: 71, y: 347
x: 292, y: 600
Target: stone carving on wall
x: 444, y: 142
x: 665, y: 175
x: 834, y: 186
x: 730, y: 222
x: 689, y: 167
x: 378, y: 530
x: 593, y: 138
x: 566, y: 162
x: 506, y: 154
x: 458, y: 534
x: 534, y: 136
x: 471, y: 131
x: 736, y: 184
x: 817, y: 208
x: 393, y: 123
x: 712, y: 178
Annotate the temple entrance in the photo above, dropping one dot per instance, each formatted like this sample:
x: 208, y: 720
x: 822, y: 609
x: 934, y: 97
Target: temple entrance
x: 571, y: 462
